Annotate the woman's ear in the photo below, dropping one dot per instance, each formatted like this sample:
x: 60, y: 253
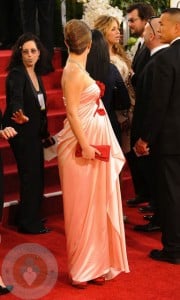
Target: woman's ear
x: 66, y: 44
x: 89, y: 46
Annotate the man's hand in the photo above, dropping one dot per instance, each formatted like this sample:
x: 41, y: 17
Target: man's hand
x: 8, y: 132
x: 141, y: 148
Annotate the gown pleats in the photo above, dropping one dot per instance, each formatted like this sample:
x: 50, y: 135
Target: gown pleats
x: 91, y: 196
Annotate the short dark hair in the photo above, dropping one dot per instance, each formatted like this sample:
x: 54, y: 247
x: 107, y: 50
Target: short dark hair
x: 171, y: 10
x: 145, y: 10
x: 16, y: 58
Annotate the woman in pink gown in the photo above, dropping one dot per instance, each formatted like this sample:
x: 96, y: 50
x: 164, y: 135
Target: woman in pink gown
x: 91, y: 192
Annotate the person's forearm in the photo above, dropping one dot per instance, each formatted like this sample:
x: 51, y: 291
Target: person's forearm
x: 77, y: 129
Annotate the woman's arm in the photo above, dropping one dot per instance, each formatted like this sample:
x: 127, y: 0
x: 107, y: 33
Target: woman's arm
x: 15, y: 90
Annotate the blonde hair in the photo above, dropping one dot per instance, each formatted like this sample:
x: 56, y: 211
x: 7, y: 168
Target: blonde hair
x: 77, y: 36
x: 103, y: 23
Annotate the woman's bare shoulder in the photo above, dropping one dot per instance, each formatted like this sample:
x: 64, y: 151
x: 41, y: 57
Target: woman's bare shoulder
x: 73, y: 76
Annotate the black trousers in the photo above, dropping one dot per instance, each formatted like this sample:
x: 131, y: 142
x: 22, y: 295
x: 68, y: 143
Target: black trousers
x: 10, y: 21
x: 142, y: 172
x: 168, y: 188
x: 44, y: 10
x: 28, y: 153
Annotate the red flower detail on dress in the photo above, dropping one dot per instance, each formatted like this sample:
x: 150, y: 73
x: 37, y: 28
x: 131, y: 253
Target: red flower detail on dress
x: 101, y: 86
x: 101, y: 111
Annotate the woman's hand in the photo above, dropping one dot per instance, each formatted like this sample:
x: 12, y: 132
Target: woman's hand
x: 19, y: 117
x: 89, y: 152
x: 8, y: 132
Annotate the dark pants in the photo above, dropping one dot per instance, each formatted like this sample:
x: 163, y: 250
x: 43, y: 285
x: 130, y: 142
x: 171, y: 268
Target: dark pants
x: 142, y: 172
x: 10, y: 21
x: 44, y: 10
x: 169, y: 202
x: 28, y: 153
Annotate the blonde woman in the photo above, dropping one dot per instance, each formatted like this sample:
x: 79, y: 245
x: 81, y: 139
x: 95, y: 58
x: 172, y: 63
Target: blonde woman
x: 110, y: 28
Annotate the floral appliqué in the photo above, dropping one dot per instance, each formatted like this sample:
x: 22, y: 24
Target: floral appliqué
x: 100, y: 111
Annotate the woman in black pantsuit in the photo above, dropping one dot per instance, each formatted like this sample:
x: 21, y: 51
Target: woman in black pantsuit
x: 26, y: 112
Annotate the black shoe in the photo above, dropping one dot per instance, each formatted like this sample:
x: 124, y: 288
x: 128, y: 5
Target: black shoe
x: 150, y: 227
x: 145, y: 209
x: 148, y: 217
x: 164, y: 256
x: 5, y: 290
x: 40, y: 231
x: 44, y: 220
x: 134, y: 202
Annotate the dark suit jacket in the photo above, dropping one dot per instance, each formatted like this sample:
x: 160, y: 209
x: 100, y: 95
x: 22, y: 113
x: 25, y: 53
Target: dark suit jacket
x: 20, y: 94
x: 163, y: 120
x: 143, y: 99
x: 139, y: 62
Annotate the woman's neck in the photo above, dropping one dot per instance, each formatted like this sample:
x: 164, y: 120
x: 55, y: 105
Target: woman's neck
x: 79, y: 59
x: 111, y: 50
x: 30, y: 69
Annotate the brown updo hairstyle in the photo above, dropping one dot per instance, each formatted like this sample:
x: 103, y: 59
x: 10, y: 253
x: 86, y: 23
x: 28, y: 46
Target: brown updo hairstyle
x: 77, y: 36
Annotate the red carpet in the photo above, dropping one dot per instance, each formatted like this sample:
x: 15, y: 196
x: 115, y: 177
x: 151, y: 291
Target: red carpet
x: 148, y: 279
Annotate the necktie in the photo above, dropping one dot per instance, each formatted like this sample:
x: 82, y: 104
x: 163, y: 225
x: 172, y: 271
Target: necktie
x: 138, y: 48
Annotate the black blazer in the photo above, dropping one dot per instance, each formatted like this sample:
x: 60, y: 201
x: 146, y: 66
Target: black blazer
x: 20, y: 94
x: 113, y: 79
x: 163, y: 120
x: 139, y: 62
x: 143, y: 99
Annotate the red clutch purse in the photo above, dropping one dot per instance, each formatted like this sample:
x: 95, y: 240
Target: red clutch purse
x: 104, y: 149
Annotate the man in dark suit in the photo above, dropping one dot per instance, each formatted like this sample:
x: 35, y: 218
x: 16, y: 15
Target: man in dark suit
x: 162, y: 135
x: 44, y: 11
x: 10, y: 23
x: 143, y: 92
x: 138, y: 15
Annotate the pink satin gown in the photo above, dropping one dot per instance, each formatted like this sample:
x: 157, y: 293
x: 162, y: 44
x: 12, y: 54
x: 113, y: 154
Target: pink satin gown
x: 91, y: 196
